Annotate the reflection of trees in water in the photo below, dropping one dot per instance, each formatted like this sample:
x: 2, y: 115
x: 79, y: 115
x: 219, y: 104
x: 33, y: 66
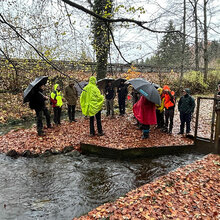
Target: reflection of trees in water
x: 97, y: 181
x: 42, y: 176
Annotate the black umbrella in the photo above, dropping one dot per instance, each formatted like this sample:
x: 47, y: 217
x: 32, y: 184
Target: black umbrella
x: 156, y: 85
x: 102, y: 83
x: 118, y: 81
x: 79, y: 86
x: 147, y: 89
x: 41, y: 80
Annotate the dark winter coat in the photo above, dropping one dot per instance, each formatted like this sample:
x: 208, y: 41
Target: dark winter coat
x: 186, y: 104
x: 37, y: 100
x: 109, y: 92
x: 122, y: 92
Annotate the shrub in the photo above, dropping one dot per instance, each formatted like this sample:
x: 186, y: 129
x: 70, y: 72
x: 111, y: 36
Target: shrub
x: 195, y: 81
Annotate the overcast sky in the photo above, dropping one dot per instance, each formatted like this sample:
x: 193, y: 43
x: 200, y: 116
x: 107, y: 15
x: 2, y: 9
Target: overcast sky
x: 134, y: 42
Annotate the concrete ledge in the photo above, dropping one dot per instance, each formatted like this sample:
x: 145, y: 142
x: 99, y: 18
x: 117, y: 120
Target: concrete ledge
x: 199, y: 146
x: 133, y: 152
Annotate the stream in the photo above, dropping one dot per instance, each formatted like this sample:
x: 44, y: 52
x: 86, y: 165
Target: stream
x: 66, y: 186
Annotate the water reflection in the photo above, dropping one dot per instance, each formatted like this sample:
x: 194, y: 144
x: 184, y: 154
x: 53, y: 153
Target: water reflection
x: 63, y: 187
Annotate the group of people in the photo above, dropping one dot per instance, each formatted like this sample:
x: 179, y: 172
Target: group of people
x: 91, y: 101
x: 147, y: 113
x: 37, y: 103
x: 110, y: 94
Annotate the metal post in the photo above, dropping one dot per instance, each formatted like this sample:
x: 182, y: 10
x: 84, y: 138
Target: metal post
x: 213, y: 120
x: 217, y: 131
x: 197, y: 118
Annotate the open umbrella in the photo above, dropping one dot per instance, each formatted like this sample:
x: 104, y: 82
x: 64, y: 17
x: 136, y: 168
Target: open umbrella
x: 118, y: 81
x: 156, y: 85
x: 102, y: 83
x: 147, y: 89
x: 79, y: 86
x: 41, y: 80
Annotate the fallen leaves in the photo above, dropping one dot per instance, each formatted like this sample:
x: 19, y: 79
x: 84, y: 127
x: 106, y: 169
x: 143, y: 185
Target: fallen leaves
x: 190, y: 192
x: 120, y: 133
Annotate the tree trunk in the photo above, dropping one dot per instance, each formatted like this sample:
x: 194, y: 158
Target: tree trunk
x: 196, y: 37
x: 184, y: 44
x: 101, y: 42
x: 205, y: 42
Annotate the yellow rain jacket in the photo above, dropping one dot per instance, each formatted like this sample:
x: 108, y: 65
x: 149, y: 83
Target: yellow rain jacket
x: 161, y: 106
x: 91, y: 100
x: 56, y: 97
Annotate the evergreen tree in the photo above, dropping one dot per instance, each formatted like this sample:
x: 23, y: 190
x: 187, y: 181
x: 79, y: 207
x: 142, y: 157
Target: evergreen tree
x: 169, y: 52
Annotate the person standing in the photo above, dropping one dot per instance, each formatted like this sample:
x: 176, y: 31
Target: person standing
x: 218, y: 94
x: 109, y: 96
x: 169, y: 104
x: 122, y: 94
x: 135, y: 96
x: 37, y: 102
x: 160, y: 109
x: 145, y: 112
x: 71, y: 95
x: 91, y: 102
x: 186, y: 107
x: 56, y: 98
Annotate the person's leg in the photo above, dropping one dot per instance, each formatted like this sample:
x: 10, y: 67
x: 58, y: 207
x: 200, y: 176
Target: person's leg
x: 39, y: 117
x: 70, y: 112
x: 59, y: 115
x: 91, y: 123
x: 55, y: 115
x: 145, y: 130
x: 99, y: 123
x: 47, y: 115
x: 111, y: 105
x: 162, y: 119
x: 73, y: 112
x: 171, y: 114
x: 158, y: 118
x: 107, y: 108
x: 166, y: 120
x: 123, y: 106
x: 120, y: 106
x: 182, y: 123
x: 188, y: 120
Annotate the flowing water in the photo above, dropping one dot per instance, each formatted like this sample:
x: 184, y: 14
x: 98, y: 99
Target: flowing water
x: 66, y: 186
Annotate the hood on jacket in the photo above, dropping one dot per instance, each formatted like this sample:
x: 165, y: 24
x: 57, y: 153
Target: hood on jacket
x: 172, y: 93
x: 160, y: 90
x: 187, y: 90
x: 55, y: 86
x: 166, y: 87
x: 92, y: 80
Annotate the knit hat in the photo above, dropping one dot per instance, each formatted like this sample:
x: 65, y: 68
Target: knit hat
x: 187, y: 90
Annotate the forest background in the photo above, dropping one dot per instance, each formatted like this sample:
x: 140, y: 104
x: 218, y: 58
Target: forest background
x: 167, y: 42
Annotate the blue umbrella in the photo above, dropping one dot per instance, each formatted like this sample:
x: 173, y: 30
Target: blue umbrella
x: 41, y: 80
x: 147, y: 89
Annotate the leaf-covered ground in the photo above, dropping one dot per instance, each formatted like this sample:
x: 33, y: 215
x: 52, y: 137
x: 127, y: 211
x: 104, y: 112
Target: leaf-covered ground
x: 190, y: 192
x: 120, y: 132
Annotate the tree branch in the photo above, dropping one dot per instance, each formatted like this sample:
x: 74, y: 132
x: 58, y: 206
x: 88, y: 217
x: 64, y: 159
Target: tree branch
x: 139, y: 23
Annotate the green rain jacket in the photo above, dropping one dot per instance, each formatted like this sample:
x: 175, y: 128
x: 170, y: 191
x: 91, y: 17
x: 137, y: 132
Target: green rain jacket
x: 91, y: 100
